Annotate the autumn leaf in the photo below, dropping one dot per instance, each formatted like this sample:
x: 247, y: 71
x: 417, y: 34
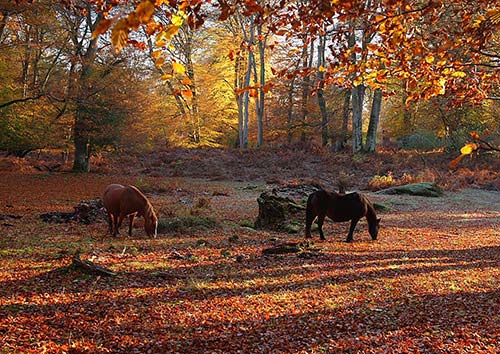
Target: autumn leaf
x: 459, y: 74
x: 160, y: 61
x: 454, y: 163
x: 101, y: 28
x: 474, y: 135
x: 429, y: 59
x: 187, y: 93
x: 119, y: 35
x: 156, y: 54
x: 358, y: 80
x: 178, y: 19
x: 166, y: 77
x: 468, y: 148
x: 178, y: 68
x: 186, y: 81
x: 144, y: 11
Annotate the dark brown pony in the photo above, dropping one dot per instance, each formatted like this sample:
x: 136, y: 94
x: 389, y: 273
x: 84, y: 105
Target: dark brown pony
x: 121, y: 201
x: 340, y: 207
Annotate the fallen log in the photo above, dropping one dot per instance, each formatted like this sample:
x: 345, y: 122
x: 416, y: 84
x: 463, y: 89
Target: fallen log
x: 289, y: 247
x: 90, y: 267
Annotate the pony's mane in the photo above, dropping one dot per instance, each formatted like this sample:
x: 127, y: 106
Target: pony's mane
x: 371, y: 216
x: 148, y: 209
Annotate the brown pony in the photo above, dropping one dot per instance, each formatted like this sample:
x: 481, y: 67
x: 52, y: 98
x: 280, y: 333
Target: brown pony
x: 340, y: 207
x: 121, y: 201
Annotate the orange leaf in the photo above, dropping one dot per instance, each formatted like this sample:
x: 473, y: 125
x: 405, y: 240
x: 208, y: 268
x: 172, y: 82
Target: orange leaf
x: 101, y: 28
x: 187, y: 93
x: 144, y: 11
x: 186, y: 81
x: 119, y: 35
x: 156, y: 54
x: 454, y: 163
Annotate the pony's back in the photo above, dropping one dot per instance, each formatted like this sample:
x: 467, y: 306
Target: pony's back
x: 112, y: 196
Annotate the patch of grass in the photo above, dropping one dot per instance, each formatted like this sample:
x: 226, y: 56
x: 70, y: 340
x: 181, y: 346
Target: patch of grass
x: 247, y: 223
x: 186, y: 223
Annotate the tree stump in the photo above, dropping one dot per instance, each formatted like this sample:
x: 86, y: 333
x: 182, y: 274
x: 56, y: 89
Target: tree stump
x: 86, y: 212
x: 283, y: 206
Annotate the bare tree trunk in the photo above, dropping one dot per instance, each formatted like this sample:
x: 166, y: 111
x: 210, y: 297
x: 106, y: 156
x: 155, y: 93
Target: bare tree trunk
x: 262, y: 81
x: 239, y: 97
x: 306, y: 83
x: 321, y: 85
x: 249, y: 38
x: 346, y: 109
x: 371, y: 138
x: 357, y: 118
x: 289, y: 132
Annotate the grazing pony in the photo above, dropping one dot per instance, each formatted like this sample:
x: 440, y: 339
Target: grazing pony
x: 340, y: 207
x: 121, y: 201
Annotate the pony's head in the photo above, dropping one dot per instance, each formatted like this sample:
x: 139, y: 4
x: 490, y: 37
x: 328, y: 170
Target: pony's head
x: 151, y: 224
x: 373, y: 228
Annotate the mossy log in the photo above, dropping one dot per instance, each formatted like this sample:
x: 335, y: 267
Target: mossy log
x: 424, y: 189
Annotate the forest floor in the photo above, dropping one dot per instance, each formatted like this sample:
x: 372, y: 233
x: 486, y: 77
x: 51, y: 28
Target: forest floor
x: 429, y: 284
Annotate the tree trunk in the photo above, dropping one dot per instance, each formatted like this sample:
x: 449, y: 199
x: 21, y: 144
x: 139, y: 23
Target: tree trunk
x: 306, y: 83
x: 289, y: 132
x: 346, y: 109
x: 81, y: 139
x: 262, y: 82
x: 249, y: 38
x: 371, y: 138
x: 357, y: 118
x: 321, y: 85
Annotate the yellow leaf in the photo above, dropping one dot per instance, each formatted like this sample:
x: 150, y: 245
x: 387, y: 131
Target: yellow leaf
x: 145, y: 11
x: 170, y: 32
x: 429, y: 59
x: 459, y: 74
x: 179, y: 68
x: 119, y: 35
x: 321, y: 68
x: 358, y: 81
x: 178, y: 18
x: 166, y: 77
x: 442, y: 86
x: 468, y: 149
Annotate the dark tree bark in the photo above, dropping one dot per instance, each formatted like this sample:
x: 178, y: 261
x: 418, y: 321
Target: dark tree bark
x: 371, y: 138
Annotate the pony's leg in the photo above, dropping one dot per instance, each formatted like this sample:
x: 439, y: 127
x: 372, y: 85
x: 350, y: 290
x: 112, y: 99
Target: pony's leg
x: 309, y: 220
x: 351, y: 230
x: 131, y: 223
x: 118, y: 224
x: 321, y: 219
x: 110, y: 223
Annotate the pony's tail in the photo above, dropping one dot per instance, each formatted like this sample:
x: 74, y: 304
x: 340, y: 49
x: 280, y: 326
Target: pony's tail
x: 309, y: 215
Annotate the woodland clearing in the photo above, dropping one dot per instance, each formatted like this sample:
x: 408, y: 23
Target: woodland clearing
x: 430, y: 283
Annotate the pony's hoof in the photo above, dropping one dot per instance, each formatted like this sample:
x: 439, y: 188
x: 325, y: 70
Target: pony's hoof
x: 349, y: 241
